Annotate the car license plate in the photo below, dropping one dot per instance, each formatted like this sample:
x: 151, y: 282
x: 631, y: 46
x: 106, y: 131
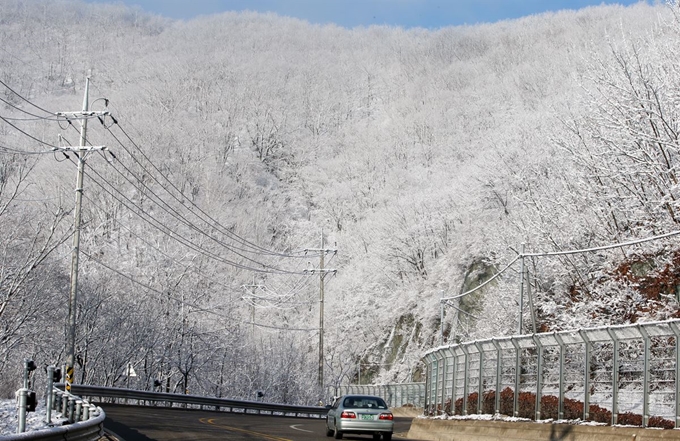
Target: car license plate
x: 365, y: 416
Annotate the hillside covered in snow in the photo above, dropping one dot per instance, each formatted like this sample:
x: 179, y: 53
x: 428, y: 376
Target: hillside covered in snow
x: 243, y: 147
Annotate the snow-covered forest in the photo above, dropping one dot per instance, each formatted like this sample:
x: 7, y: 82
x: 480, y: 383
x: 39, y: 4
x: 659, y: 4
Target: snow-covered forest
x: 237, y: 141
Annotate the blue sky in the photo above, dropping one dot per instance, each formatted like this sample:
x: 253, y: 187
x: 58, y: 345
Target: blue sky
x: 350, y: 13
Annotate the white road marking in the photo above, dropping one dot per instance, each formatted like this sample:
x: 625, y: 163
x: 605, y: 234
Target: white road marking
x: 294, y: 427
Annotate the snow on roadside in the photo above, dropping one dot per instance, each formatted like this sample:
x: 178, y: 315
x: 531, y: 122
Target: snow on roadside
x: 9, y: 417
x: 505, y: 418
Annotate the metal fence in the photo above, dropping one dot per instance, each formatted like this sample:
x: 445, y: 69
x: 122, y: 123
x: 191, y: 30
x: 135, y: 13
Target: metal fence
x: 395, y: 395
x: 614, y: 374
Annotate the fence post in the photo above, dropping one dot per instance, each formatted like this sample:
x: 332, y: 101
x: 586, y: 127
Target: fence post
x: 676, y: 331
x: 428, y: 384
x: 518, y: 359
x: 560, y: 404
x: 615, y: 376
x: 521, y: 287
x: 645, y: 377
x: 586, y: 375
x: 437, y: 387
x: 499, y: 376
x: 539, y: 375
x: 480, y: 394
x: 454, y: 369
x: 466, y: 376
x: 443, y: 385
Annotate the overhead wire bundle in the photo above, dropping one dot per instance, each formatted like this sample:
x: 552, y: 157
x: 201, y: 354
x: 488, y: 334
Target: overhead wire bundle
x: 182, y: 221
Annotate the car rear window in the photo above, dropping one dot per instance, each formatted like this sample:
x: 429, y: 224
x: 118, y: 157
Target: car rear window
x: 364, y: 403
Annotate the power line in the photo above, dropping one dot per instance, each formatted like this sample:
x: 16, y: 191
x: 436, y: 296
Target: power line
x: 282, y: 328
x: 212, y: 222
x: 166, y: 230
x: 159, y: 251
x: 486, y: 282
x: 54, y: 147
x: 602, y: 248
x: 24, y: 99
x: 152, y: 289
x: 35, y: 117
x: 15, y: 151
x: 174, y: 213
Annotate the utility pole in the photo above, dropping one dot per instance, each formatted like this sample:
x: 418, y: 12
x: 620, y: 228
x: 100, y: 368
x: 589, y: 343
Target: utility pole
x: 322, y: 275
x: 521, y: 289
x: 81, y: 151
x: 441, y: 320
x: 252, y: 304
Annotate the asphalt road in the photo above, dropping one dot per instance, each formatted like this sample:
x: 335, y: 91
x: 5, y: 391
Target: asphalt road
x: 133, y: 423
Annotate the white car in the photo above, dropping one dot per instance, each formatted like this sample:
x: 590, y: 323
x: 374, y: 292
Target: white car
x: 360, y: 414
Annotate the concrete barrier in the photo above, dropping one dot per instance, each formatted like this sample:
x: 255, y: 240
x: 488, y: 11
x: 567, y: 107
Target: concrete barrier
x: 408, y: 412
x: 479, y: 430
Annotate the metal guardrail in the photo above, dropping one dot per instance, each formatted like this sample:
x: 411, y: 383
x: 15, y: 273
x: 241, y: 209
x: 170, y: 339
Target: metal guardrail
x: 623, y: 370
x: 85, y: 422
x: 146, y: 398
x: 82, y: 431
x: 395, y: 395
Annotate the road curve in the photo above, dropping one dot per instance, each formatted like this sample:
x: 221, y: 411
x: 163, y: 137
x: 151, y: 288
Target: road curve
x: 134, y: 423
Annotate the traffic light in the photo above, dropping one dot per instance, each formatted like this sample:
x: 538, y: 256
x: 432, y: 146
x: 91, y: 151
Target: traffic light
x: 30, y: 365
x: 31, y: 401
x: 56, y: 375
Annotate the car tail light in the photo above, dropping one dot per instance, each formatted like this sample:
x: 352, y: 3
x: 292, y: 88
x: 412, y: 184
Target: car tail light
x: 346, y: 414
x: 386, y: 416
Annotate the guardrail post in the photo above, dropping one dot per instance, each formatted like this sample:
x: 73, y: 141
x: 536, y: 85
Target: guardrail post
x: 49, y: 396
x: 64, y: 405
x: 56, y: 399
x: 77, y: 414
x: 21, y: 398
x: 71, y: 409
